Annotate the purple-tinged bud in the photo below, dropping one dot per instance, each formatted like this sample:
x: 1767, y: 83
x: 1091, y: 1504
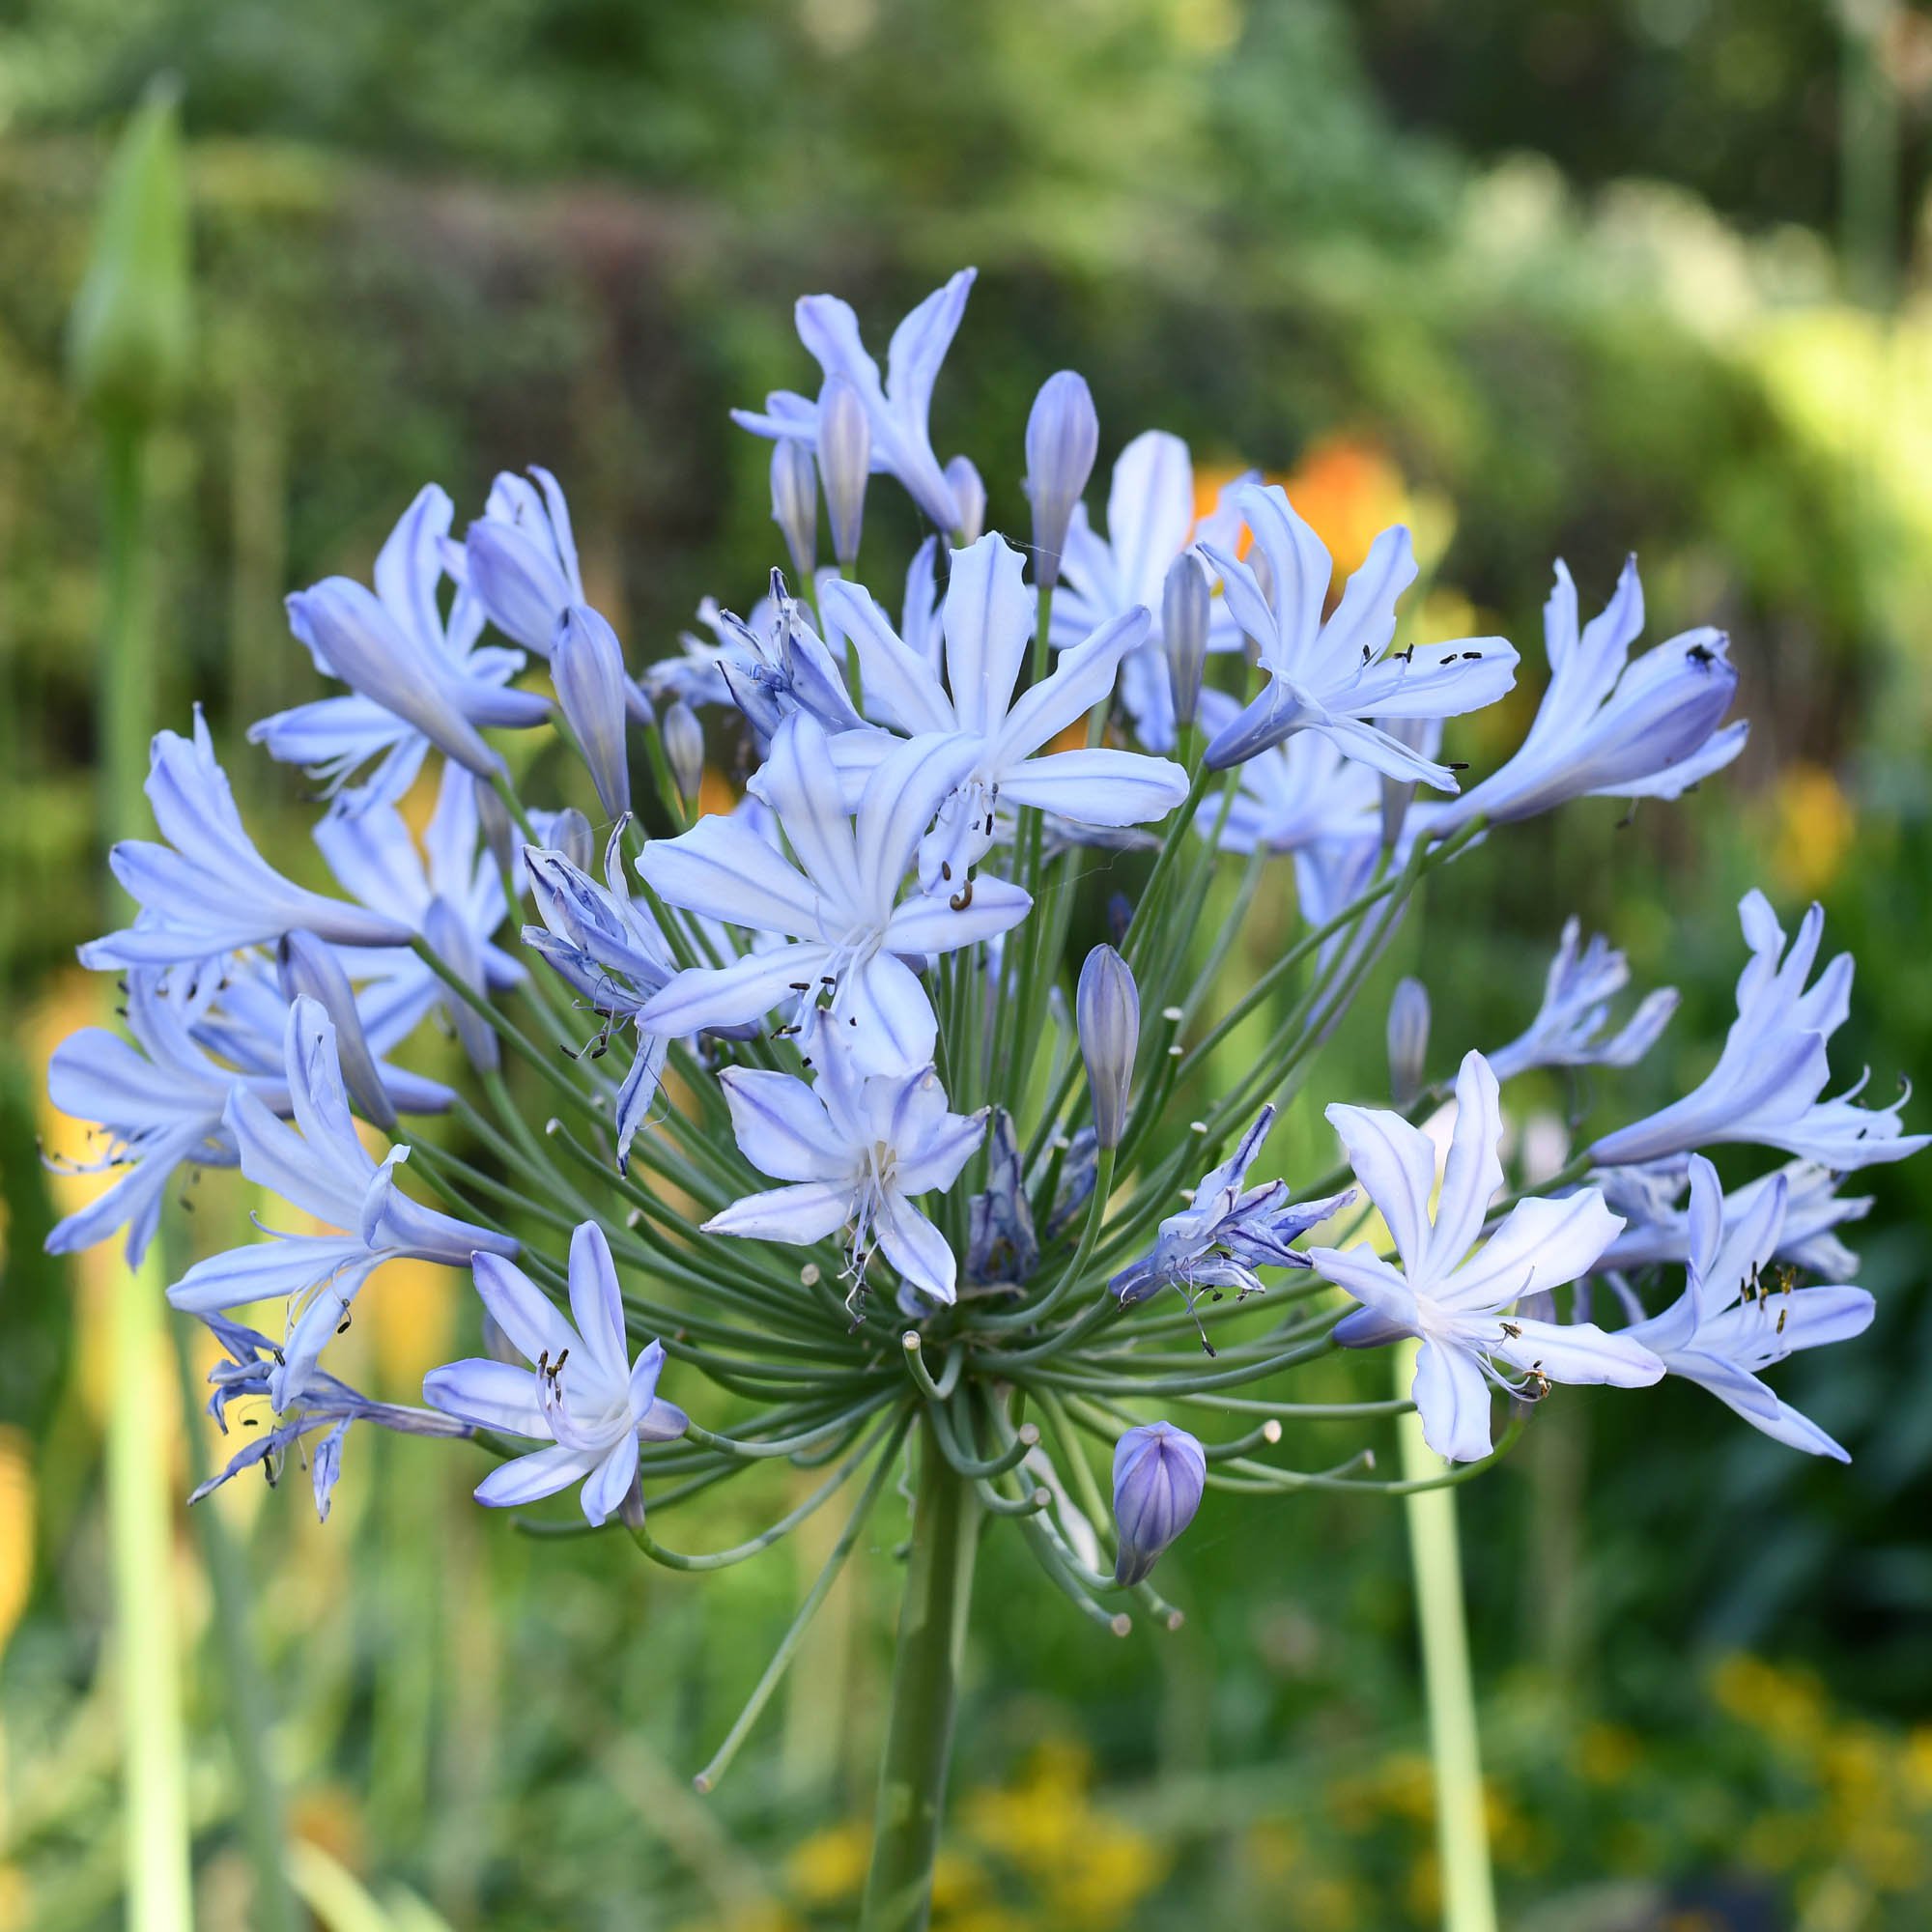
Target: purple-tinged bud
x: 1107, y: 1007
x: 452, y: 942
x: 1407, y: 1040
x: 1159, y: 1472
x: 970, y: 493
x: 1063, y: 438
x: 586, y: 665
x: 795, y: 502
x: 1422, y: 736
x: 684, y: 749
x: 499, y: 834
x: 844, y: 463
x: 306, y: 965
x: 567, y: 831
x: 1186, y: 606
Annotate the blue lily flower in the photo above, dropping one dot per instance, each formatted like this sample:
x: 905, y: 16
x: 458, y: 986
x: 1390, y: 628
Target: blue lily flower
x: 1576, y: 1009
x: 417, y: 678
x: 1767, y: 1086
x: 897, y: 409
x: 583, y: 1395
x: 319, y: 1166
x: 988, y: 617
x: 1335, y: 675
x: 208, y: 890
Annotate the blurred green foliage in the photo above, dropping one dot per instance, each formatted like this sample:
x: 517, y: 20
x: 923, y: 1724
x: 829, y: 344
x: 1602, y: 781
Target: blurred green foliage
x: 433, y: 242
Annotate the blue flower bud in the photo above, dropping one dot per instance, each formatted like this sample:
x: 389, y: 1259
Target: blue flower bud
x: 451, y: 940
x: 1185, y: 609
x: 844, y: 463
x: 1407, y: 1040
x: 305, y: 965
x: 684, y: 749
x: 1159, y: 1472
x: 1107, y: 1007
x: 970, y: 493
x: 1063, y: 438
x: 795, y: 502
x: 586, y: 665
x: 567, y: 831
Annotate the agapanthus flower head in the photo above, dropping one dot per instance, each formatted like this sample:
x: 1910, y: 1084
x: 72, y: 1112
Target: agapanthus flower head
x: 326, y: 1404
x: 988, y: 617
x: 857, y: 1150
x: 1336, y: 675
x: 1576, y: 994
x: 1159, y: 1474
x: 845, y: 936
x: 1228, y: 1230
x: 319, y: 1166
x: 582, y: 1394
x: 416, y: 678
x: 208, y: 890
x: 1608, y: 727
x: 1460, y: 1293
x: 1740, y: 1313
x: 1767, y: 1086
x: 897, y: 409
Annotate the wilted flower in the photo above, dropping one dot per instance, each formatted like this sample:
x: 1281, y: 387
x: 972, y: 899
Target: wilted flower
x: 1159, y: 1473
x: 585, y: 1396
x: 1228, y: 1231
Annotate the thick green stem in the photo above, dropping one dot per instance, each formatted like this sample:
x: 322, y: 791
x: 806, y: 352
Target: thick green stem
x: 925, y: 1687
x: 1461, y: 1829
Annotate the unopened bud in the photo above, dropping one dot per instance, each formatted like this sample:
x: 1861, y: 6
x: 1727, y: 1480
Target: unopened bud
x: 499, y: 834
x: 586, y: 665
x: 1159, y: 1473
x: 1107, y: 1006
x: 1423, y: 736
x: 684, y: 749
x: 308, y: 967
x: 567, y: 831
x: 1186, y: 607
x: 969, y: 493
x: 1407, y: 1040
x: 451, y: 940
x: 1063, y: 438
x: 844, y: 463
x: 128, y: 333
x: 795, y: 502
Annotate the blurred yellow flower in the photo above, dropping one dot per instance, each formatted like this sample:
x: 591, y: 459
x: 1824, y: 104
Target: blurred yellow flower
x: 829, y: 1864
x: 1814, y: 825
